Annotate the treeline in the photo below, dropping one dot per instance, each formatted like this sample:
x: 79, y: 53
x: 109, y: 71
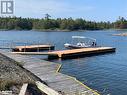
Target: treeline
x: 69, y: 24
x: 121, y: 23
x: 18, y: 23
x: 10, y: 23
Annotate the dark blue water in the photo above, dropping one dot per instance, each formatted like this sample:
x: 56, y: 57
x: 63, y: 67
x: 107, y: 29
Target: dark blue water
x: 106, y: 73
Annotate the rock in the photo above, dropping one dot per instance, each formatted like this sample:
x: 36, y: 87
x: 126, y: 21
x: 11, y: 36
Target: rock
x: 121, y: 34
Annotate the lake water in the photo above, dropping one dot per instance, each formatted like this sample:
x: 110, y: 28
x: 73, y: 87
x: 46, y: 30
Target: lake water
x: 106, y: 73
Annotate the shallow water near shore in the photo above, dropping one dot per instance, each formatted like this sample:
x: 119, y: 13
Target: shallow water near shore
x: 105, y: 73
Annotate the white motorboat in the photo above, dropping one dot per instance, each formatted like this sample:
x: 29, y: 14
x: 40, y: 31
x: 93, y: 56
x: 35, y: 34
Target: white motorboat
x: 81, y: 42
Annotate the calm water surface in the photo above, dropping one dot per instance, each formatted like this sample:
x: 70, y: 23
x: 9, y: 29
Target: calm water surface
x: 105, y: 73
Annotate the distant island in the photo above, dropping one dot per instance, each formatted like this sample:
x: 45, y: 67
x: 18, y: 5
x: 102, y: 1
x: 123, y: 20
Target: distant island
x: 59, y: 24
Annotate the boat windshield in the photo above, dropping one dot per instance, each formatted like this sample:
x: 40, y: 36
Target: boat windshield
x: 87, y: 41
x: 78, y: 37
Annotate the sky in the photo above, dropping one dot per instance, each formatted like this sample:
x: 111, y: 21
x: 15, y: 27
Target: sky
x: 95, y: 10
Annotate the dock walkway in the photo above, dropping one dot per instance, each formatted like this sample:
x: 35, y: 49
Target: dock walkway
x: 33, y: 48
x: 72, y: 52
x: 48, y: 72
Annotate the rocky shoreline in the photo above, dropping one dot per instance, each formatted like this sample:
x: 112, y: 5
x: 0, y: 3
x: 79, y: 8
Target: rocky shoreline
x: 12, y: 77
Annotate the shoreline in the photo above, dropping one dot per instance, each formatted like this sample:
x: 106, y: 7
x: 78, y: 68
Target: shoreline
x: 13, y: 75
x: 58, y: 30
x: 55, y: 76
x: 50, y: 30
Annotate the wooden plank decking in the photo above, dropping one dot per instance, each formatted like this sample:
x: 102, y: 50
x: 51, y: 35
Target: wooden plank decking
x: 33, y: 48
x: 72, y: 52
x: 47, y: 71
x: 81, y: 51
x: 46, y: 89
x: 23, y: 89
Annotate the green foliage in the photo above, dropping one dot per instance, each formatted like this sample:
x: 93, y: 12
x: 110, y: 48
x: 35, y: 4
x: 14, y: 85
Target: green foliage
x: 121, y: 23
x: 10, y: 23
x: 18, y: 23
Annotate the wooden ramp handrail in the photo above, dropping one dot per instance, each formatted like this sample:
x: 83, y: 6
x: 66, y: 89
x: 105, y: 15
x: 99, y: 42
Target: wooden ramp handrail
x: 23, y: 89
x: 46, y: 89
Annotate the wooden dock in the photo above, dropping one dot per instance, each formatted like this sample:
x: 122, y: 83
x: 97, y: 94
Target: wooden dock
x: 72, y: 52
x: 33, y: 48
x: 81, y: 52
x: 48, y: 72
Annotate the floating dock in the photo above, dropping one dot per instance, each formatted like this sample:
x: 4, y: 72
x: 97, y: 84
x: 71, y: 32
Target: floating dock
x: 72, y: 52
x: 49, y: 73
x: 33, y: 48
x: 81, y: 52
